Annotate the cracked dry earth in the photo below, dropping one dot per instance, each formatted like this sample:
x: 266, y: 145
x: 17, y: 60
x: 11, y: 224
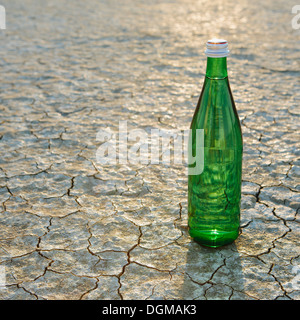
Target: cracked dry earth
x: 73, y: 229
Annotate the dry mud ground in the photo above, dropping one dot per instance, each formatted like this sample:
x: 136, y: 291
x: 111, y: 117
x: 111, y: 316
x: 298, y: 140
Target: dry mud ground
x: 73, y: 229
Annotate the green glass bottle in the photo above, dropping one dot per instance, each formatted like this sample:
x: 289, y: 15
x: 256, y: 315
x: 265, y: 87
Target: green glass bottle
x: 214, y: 195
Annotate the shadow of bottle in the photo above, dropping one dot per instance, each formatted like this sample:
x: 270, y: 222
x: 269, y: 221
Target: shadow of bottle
x: 213, y: 273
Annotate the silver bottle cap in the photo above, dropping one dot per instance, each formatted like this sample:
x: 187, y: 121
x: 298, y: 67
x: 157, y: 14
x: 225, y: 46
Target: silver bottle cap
x: 217, y: 48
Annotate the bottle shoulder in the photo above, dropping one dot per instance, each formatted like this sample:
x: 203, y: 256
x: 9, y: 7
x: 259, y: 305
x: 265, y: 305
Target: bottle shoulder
x: 216, y: 113
x: 215, y: 101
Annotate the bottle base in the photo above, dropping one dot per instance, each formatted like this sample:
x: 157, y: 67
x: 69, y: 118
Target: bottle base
x: 213, y: 238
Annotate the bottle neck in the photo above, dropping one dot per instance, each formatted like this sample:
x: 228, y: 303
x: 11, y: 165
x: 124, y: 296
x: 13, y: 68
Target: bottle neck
x: 216, y: 68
